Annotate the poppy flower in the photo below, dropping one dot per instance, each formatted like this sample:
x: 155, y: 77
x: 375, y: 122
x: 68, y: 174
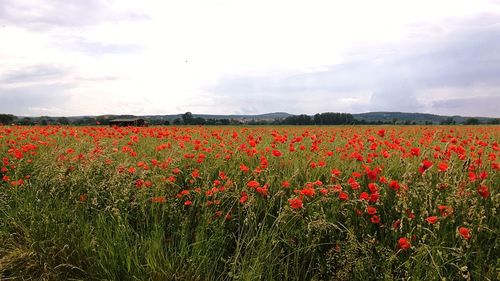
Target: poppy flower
x: 432, y: 219
x: 375, y: 219
x: 253, y: 184
x: 243, y: 198
x: 394, y: 185
x: 308, y: 192
x: 396, y: 224
x: 371, y: 210
x: 363, y: 196
x: 483, y: 191
x: 296, y: 203
x: 464, y: 232
x: 159, y: 199
x: 83, y: 197
x: 443, y: 166
x: 404, y: 243
x: 343, y: 196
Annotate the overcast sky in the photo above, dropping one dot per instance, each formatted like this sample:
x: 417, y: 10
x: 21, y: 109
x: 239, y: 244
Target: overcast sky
x: 91, y: 57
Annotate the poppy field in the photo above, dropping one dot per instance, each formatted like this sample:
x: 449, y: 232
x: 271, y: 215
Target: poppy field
x: 249, y: 203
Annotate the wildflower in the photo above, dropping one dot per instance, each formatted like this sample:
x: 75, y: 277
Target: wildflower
x: 253, y: 184
x: 159, y: 199
x: 394, y: 185
x: 432, y: 219
x: 343, y: 196
x: 464, y: 232
x: 363, y: 196
x: 371, y: 210
x: 83, y: 197
x: 188, y: 203
x: 396, y: 224
x: 443, y: 166
x: 375, y: 219
x: 243, y: 198
x: 483, y: 191
x: 404, y: 243
x: 308, y: 192
x: 244, y: 168
x: 426, y: 164
x: 296, y: 203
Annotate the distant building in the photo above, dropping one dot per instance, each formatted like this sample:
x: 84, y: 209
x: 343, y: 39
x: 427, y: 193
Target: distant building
x: 137, y: 122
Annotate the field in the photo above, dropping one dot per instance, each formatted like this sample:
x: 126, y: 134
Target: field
x: 256, y: 203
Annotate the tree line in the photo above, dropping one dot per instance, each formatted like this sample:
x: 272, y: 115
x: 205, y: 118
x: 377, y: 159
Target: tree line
x: 326, y: 118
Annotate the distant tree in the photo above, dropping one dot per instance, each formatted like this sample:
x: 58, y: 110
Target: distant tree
x: 495, y: 121
x: 26, y: 121
x: 177, y: 121
x: 187, y: 118
x: 166, y: 123
x: 298, y: 120
x: 331, y: 118
x: 63, y: 121
x: 448, y: 121
x: 471, y: 121
x: 102, y: 120
x: 428, y: 123
x: 317, y: 119
x: 197, y: 121
x: 7, y: 119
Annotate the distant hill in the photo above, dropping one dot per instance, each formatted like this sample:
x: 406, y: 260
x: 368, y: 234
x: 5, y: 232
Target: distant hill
x: 417, y: 117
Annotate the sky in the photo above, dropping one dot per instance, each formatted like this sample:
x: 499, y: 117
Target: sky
x: 148, y: 57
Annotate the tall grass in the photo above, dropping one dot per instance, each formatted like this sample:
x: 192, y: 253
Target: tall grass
x: 102, y: 203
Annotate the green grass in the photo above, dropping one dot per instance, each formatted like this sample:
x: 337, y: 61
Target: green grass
x: 85, y: 217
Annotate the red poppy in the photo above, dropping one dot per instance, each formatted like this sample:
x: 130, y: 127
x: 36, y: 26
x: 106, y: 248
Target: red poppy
x: 464, y: 232
x: 253, y: 184
x: 396, y: 224
x: 159, y: 199
x: 363, y: 196
x: 296, y: 203
x: 432, y: 219
x: 308, y: 192
x: 243, y: 198
x: 404, y: 243
x: 483, y: 191
x: 343, y: 196
x: 83, y: 197
x: 371, y: 210
x: 375, y: 219
x: 443, y: 166
x: 394, y: 185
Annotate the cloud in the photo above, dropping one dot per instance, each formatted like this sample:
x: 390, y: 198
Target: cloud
x: 34, y: 74
x: 42, y: 15
x: 89, y: 47
x: 464, y: 57
x: 473, y: 106
x: 40, y: 99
